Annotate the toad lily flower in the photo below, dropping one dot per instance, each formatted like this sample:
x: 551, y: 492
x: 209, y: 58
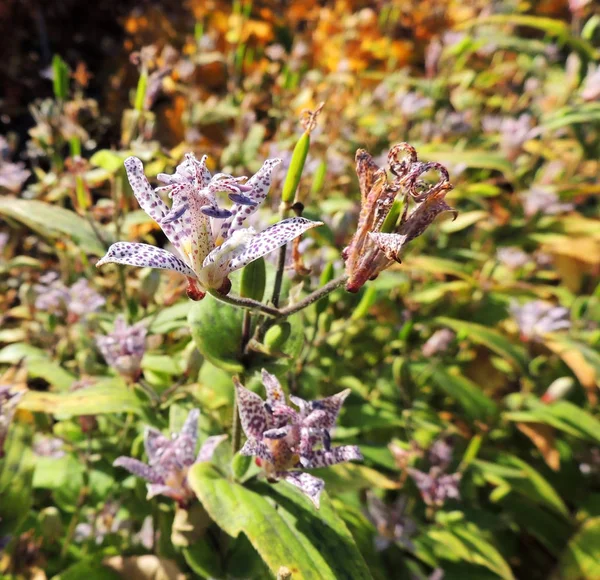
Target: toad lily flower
x: 210, y: 240
x: 284, y: 439
x: 537, y: 318
x: 124, y: 347
x: 372, y: 250
x: 170, y: 459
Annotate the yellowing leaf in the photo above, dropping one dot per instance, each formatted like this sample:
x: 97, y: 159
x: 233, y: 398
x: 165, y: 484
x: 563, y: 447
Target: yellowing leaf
x: 542, y: 436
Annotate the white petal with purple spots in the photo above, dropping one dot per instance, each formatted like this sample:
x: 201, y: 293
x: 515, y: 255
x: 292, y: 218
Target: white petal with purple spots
x: 145, y: 256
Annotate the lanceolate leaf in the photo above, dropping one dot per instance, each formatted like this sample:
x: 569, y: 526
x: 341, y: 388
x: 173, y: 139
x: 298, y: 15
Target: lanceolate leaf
x: 488, y: 337
x: 581, y: 559
x: 282, y: 525
x: 52, y: 222
x: 109, y: 396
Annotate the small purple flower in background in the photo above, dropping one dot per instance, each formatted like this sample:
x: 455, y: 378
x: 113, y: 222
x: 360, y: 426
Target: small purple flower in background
x: 391, y: 522
x: 47, y: 446
x: 438, y: 342
x: 124, y: 347
x: 436, y: 486
x: 591, y: 84
x: 79, y: 300
x: 8, y: 406
x: 3, y: 241
x: 210, y: 240
x: 537, y: 318
x: 12, y: 175
x: 170, y: 459
x: 513, y: 132
x: 512, y: 257
x: 543, y: 201
x: 411, y: 103
x: 284, y: 439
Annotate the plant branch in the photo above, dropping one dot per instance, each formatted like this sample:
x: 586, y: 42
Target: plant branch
x: 247, y: 303
x: 313, y: 297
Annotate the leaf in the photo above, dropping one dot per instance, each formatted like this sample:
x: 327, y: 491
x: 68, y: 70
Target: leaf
x: 216, y: 328
x: 351, y: 476
x: 108, y: 396
x: 475, y: 159
x: 542, y: 436
x: 463, y: 221
x: 579, y: 357
x: 477, y: 405
x: 282, y: 525
x: 110, y: 161
x: 470, y: 546
x: 581, y: 558
x: 52, y: 222
x: 437, y: 266
x: 522, y: 478
x: 488, y: 337
x: 37, y: 363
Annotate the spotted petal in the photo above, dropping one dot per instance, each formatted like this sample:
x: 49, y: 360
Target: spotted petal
x: 309, y: 484
x: 269, y: 240
x: 207, y: 449
x: 151, y: 202
x: 252, y: 411
x: 187, y: 438
x: 260, y: 183
x: 155, y: 444
x: 275, y: 394
x: 145, y: 256
x: 255, y: 448
x: 323, y: 458
x: 138, y: 468
x: 390, y: 244
x: 331, y: 406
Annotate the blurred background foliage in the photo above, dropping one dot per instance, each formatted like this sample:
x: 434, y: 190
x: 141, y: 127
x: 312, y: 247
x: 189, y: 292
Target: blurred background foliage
x: 474, y: 365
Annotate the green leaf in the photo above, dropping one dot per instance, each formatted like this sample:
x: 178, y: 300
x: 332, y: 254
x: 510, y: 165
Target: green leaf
x: 216, y: 328
x: 463, y: 221
x: 581, y: 559
x: 488, y: 337
x: 52, y: 222
x: 110, y: 161
x: 477, y: 405
x: 471, y: 158
x: 522, y: 478
x: 469, y: 544
x: 16, y: 473
x: 282, y: 525
x: 108, y: 396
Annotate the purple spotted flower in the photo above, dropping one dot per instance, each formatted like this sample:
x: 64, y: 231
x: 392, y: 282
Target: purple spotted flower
x: 124, y: 347
x: 169, y: 459
x: 372, y: 249
x: 284, y: 440
x: 436, y: 486
x: 537, y: 318
x: 8, y: 405
x: 210, y: 241
x: 78, y: 300
x: 391, y: 522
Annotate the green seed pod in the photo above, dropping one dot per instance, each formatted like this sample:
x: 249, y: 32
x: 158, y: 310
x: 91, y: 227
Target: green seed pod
x: 60, y: 78
x: 326, y: 276
x: 253, y: 282
x: 140, y: 93
x: 277, y: 336
x: 319, y: 177
x: 391, y: 220
x: 240, y: 465
x: 292, y: 179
